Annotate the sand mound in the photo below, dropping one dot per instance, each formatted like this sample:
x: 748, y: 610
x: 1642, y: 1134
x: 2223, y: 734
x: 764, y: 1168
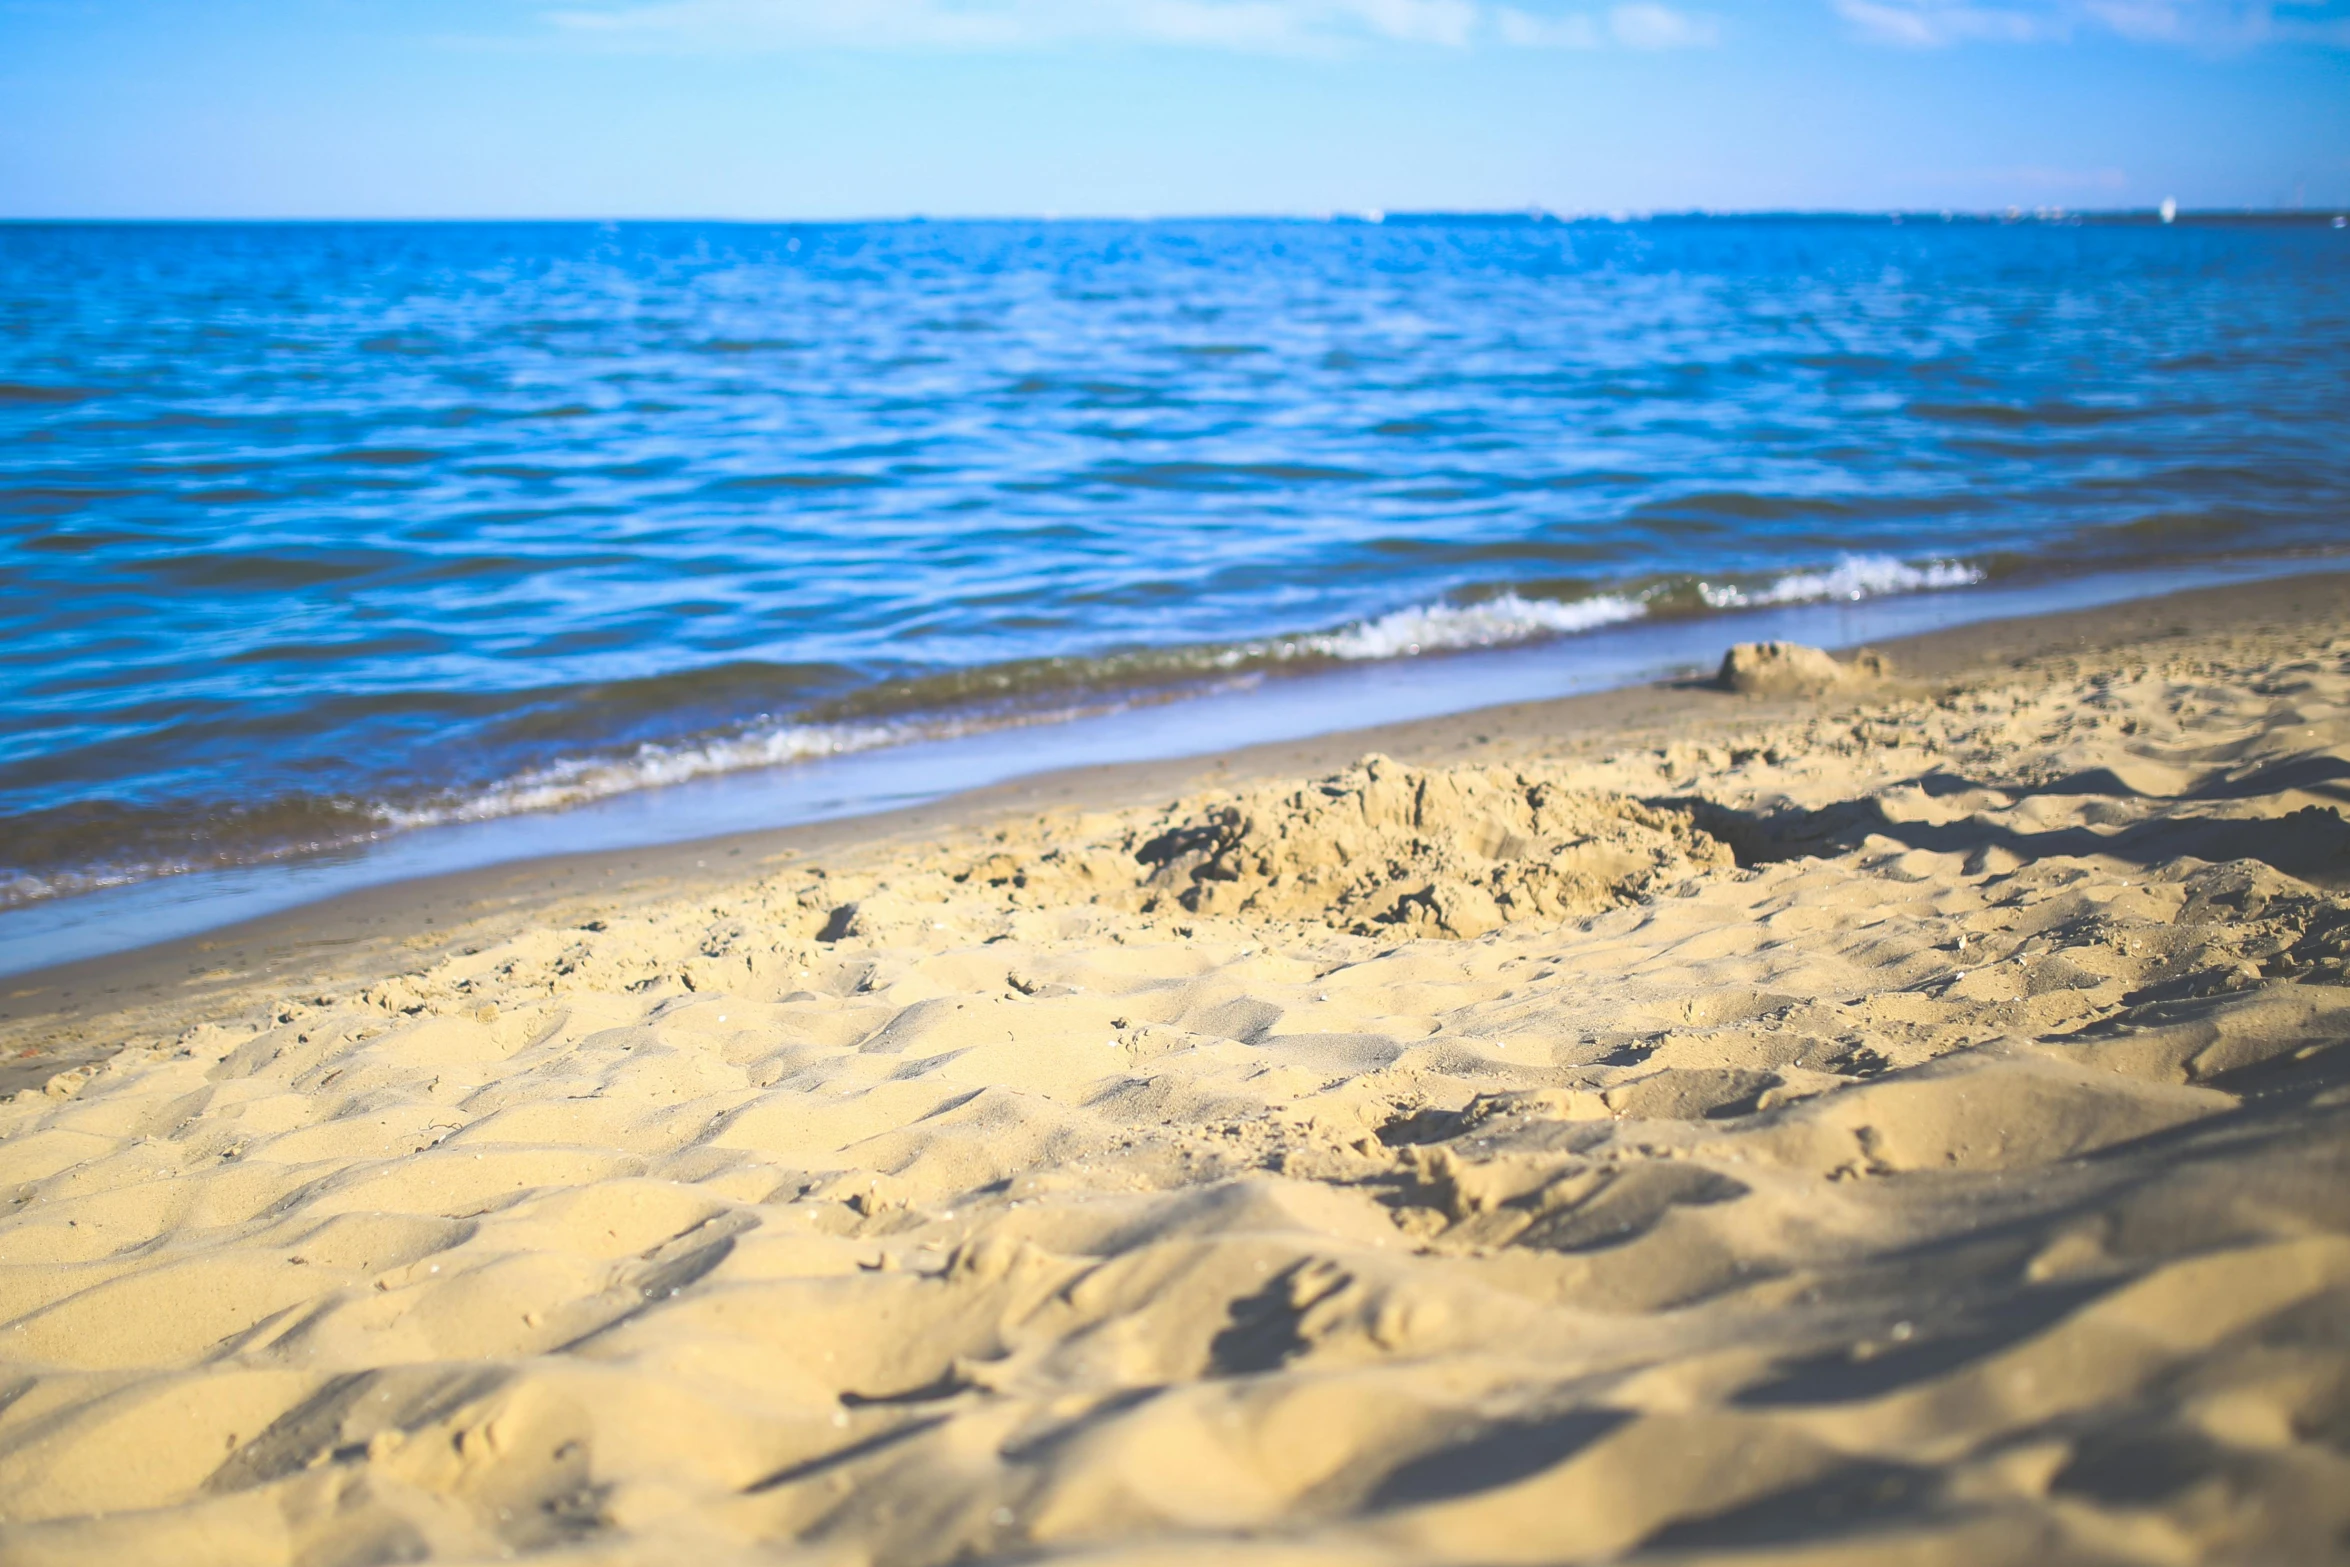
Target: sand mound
x: 1455, y: 853
x: 1791, y: 669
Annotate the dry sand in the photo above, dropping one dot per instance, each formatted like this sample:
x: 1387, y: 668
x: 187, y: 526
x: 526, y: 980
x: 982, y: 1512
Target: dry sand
x: 1900, y: 1125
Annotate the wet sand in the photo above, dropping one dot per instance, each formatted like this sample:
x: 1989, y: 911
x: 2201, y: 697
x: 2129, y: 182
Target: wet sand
x: 1899, y: 1123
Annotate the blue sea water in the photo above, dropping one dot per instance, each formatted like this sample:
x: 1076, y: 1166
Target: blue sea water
x: 314, y: 534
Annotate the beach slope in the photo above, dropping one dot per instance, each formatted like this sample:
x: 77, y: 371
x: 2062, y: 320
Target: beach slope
x: 1906, y: 1121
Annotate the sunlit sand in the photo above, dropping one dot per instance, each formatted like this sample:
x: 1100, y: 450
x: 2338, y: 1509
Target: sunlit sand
x: 1903, y: 1123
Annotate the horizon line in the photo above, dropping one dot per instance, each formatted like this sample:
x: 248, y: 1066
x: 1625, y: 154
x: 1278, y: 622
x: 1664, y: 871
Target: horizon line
x: 2334, y: 215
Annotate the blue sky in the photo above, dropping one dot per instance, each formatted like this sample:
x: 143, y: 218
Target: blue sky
x: 843, y: 108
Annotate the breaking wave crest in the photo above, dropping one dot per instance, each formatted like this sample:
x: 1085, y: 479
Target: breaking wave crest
x: 1853, y: 577
x: 1494, y: 622
x: 1508, y: 618
x: 578, y: 780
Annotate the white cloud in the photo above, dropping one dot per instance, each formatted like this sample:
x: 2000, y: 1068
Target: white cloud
x: 1933, y: 24
x: 1250, y: 25
x: 1929, y: 24
x: 1638, y: 25
x: 1649, y: 26
x: 1524, y: 30
x: 1014, y: 24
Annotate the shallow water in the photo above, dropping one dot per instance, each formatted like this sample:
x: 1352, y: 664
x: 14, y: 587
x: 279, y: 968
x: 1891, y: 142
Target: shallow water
x: 310, y: 534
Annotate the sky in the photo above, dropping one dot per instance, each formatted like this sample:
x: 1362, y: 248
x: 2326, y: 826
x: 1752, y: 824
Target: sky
x: 886, y: 108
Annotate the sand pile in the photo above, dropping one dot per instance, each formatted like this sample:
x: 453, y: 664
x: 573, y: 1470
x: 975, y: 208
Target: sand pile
x: 1454, y: 853
x: 1964, y: 1176
x: 1791, y: 669
x: 1381, y: 848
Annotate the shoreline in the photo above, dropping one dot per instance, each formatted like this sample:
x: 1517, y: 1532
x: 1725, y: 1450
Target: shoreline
x: 1386, y: 695
x: 374, y: 931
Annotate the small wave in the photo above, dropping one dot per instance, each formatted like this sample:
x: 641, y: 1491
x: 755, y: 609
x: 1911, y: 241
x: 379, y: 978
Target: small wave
x: 796, y: 481
x: 18, y: 887
x: 386, y: 456
x: 1853, y: 577
x: 1494, y: 622
x: 24, y: 392
x: 579, y: 780
x: 2005, y: 416
x: 1221, y: 475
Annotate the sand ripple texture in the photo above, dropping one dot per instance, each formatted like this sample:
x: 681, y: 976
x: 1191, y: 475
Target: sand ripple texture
x: 1961, y: 1175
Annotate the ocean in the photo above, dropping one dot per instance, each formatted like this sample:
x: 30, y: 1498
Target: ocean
x: 313, y: 536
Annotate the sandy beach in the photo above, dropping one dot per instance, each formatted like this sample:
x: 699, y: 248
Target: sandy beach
x: 1900, y: 1121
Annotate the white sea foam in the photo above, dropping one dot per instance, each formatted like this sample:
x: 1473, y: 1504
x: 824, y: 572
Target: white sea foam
x: 573, y: 781
x: 579, y: 780
x: 1853, y: 577
x: 1493, y: 622
x: 20, y: 887
x: 24, y: 887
